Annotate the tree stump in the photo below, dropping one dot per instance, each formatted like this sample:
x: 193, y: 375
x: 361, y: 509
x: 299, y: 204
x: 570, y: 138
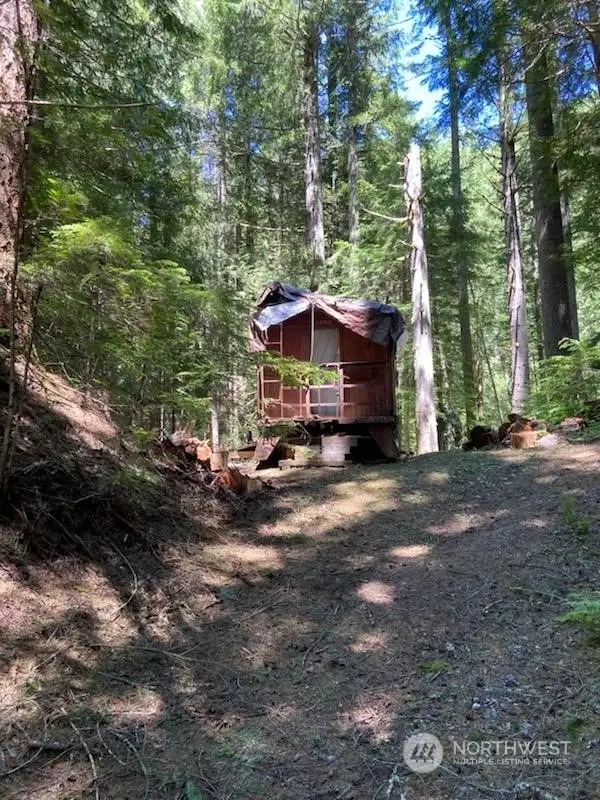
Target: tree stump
x: 523, y: 440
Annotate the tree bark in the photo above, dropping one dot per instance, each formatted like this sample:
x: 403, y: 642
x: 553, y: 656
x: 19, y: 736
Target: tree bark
x: 427, y: 434
x: 353, y: 212
x: 594, y: 36
x: 221, y: 188
x: 553, y: 273
x: 517, y: 310
x: 565, y: 208
x: 214, y: 425
x: 458, y: 228
x: 312, y: 170
x: 565, y: 212
x: 354, y: 100
x: 19, y: 36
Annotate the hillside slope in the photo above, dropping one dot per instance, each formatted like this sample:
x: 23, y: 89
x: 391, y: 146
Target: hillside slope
x: 289, y: 651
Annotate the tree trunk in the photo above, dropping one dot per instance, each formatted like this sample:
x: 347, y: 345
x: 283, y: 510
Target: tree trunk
x: 594, y: 36
x: 427, y: 435
x: 214, y: 425
x: 553, y: 273
x: 221, y: 188
x: 249, y: 205
x: 565, y: 212
x: 312, y: 170
x: 353, y: 215
x: 458, y: 229
x: 19, y: 32
x: 517, y: 311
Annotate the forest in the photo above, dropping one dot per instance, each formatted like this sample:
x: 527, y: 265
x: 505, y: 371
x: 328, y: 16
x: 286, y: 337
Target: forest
x: 162, y: 161
x: 178, y: 623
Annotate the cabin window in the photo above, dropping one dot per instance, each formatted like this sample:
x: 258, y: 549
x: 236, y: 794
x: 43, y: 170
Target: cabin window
x: 324, y: 400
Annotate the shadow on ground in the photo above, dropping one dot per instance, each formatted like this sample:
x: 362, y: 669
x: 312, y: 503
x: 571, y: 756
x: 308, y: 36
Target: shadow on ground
x: 288, y: 651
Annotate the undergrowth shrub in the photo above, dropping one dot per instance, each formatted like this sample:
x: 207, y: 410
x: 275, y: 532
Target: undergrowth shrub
x: 585, y: 610
x: 569, y: 382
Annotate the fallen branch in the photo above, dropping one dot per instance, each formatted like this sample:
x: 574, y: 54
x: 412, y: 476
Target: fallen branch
x: 137, y: 756
x: 29, y: 761
x: 135, y: 582
x: 90, y: 759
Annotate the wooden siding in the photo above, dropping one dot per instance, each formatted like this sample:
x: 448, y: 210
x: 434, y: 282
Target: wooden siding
x: 364, y: 381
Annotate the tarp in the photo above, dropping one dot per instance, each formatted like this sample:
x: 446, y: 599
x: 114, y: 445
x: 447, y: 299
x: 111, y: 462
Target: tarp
x: 381, y: 323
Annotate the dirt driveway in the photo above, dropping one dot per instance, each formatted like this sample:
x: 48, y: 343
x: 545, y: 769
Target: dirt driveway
x: 293, y: 654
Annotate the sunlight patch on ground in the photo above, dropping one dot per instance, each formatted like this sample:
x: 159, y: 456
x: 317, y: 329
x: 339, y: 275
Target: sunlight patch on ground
x: 536, y: 522
x: 377, y: 592
x: 466, y: 523
x: 411, y: 551
x: 349, y: 488
x: 214, y: 580
x: 370, y: 643
x: 374, y: 716
x: 265, y: 643
x: 353, y: 503
x: 438, y: 478
x: 260, y: 556
x: 380, y: 485
x: 415, y: 498
x: 546, y: 480
x: 360, y: 561
x: 137, y: 704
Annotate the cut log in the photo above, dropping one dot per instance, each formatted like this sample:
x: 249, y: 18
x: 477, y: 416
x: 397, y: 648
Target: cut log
x: 240, y: 484
x: 204, y: 452
x: 219, y: 460
x: 524, y: 440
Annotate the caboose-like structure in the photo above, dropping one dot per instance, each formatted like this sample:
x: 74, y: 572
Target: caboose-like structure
x: 355, y: 339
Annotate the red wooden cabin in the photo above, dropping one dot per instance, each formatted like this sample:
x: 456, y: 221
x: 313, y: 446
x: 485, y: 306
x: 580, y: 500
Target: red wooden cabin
x: 355, y: 339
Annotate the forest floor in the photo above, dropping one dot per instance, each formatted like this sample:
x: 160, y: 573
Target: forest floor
x: 288, y: 651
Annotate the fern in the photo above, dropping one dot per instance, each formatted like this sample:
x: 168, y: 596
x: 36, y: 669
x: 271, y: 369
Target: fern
x: 585, y: 610
x: 567, y: 382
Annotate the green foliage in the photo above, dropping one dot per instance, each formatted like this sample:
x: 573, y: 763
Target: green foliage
x: 567, y: 382
x: 139, y: 480
x: 574, y: 727
x: 586, y: 435
x: 580, y: 525
x: 192, y: 792
x: 122, y: 323
x: 435, y: 667
x: 153, y: 228
x: 585, y: 611
x: 297, y: 373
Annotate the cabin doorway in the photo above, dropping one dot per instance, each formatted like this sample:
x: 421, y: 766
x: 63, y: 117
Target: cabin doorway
x: 324, y: 400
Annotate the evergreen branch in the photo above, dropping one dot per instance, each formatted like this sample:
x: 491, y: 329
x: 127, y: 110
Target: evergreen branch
x: 87, y: 106
x: 385, y: 216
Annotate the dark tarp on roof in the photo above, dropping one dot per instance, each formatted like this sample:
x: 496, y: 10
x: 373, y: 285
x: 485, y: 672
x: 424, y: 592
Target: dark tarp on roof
x: 279, y: 302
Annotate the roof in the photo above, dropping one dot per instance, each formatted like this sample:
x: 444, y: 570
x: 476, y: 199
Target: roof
x: 278, y: 302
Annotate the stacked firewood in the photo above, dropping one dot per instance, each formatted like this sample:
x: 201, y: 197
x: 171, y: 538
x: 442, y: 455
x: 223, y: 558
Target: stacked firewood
x: 211, y: 466
x: 518, y: 432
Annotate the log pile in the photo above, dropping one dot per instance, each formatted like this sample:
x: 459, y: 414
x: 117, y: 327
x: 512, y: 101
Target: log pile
x: 211, y: 467
x: 518, y: 432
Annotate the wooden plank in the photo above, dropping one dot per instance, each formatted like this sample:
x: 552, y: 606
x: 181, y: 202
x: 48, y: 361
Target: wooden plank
x: 265, y: 446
